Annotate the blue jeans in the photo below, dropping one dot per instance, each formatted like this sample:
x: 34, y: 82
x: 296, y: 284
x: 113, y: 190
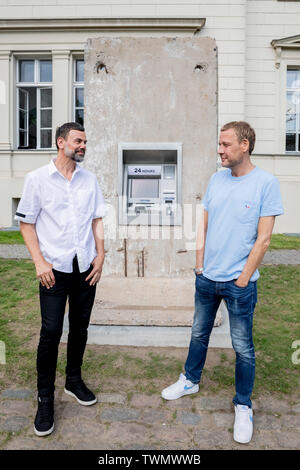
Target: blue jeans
x: 240, y: 302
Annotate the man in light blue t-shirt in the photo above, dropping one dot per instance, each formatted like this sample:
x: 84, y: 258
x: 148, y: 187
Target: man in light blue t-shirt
x: 240, y: 206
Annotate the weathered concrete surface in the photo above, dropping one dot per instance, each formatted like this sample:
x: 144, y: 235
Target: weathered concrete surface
x: 151, y: 90
x: 145, y: 301
x: 152, y: 336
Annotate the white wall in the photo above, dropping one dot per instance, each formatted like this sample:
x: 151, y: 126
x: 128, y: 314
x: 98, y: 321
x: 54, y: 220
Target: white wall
x: 266, y: 20
x: 225, y: 21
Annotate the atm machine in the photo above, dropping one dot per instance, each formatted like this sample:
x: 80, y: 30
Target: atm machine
x: 150, y: 184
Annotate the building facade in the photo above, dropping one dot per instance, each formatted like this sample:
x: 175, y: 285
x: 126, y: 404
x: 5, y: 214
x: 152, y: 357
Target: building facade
x: 42, y: 48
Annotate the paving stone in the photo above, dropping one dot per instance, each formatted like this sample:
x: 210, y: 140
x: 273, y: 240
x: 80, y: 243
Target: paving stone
x: 55, y: 444
x: 121, y: 434
x: 189, y: 418
x: 25, y: 443
x: 291, y: 421
x: 119, y: 414
x: 70, y: 430
x: 288, y: 440
x: 213, y: 403
x: 274, y: 405
x: 139, y: 447
x: 184, y: 403
x: 14, y: 423
x: 267, y: 422
x: 91, y: 444
x: 16, y: 407
x: 145, y: 401
x: 223, y: 420
x: 111, y: 398
x: 19, y: 394
x: 296, y: 408
x: 151, y: 415
x: 212, y: 439
x: 170, y: 436
x: 74, y: 410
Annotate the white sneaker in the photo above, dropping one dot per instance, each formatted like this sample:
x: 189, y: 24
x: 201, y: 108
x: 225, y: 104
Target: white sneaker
x: 243, y: 424
x: 179, y: 388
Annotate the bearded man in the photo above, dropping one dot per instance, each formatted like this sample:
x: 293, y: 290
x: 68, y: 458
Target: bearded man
x: 60, y: 216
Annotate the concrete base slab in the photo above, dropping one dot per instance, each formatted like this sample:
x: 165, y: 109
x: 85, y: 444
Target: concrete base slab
x: 153, y: 301
x: 155, y: 336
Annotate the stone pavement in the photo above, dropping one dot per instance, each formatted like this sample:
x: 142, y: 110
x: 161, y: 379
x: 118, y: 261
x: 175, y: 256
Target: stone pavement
x: 145, y: 422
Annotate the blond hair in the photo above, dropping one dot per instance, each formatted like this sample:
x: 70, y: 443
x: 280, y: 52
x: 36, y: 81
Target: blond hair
x: 243, y: 131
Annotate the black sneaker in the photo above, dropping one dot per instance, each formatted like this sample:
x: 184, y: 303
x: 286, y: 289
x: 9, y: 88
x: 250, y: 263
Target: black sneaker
x: 79, y: 390
x: 44, y: 420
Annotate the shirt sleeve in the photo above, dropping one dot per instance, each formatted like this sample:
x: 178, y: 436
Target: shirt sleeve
x: 29, y: 206
x: 271, y: 200
x: 100, y: 205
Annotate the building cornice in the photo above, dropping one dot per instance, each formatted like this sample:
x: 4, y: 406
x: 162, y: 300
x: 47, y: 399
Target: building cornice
x: 292, y: 42
x: 284, y: 44
x: 194, y: 25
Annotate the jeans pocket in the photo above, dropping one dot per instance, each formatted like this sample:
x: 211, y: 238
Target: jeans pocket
x: 239, y: 287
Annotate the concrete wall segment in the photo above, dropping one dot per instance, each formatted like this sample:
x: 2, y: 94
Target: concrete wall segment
x: 150, y: 91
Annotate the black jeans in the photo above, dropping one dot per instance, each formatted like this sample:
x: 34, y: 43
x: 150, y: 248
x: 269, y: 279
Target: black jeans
x: 53, y: 305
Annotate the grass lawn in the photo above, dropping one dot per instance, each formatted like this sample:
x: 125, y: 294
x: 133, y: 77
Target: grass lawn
x: 276, y: 326
x: 278, y: 242
x: 13, y: 237
x: 284, y: 242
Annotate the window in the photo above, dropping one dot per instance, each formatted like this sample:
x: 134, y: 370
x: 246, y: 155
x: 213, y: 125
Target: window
x: 293, y: 111
x: 15, y: 202
x: 34, y: 103
x: 78, y: 86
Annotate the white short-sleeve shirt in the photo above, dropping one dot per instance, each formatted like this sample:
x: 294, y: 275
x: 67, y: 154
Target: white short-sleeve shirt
x: 62, y: 212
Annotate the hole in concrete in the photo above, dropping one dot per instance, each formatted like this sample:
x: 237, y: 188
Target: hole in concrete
x: 201, y: 67
x: 100, y: 66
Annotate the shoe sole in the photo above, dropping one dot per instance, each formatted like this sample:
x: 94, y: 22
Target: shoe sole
x: 43, y: 433
x: 186, y: 392
x: 241, y: 441
x: 84, y: 403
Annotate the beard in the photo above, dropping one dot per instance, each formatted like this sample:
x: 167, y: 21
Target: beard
x: 76, y: 155
x: 77, y: 158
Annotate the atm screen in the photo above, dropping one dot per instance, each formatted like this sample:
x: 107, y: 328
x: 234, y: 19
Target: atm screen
x: 144, y: 188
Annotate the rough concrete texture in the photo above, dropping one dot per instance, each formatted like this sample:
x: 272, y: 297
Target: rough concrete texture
x: 145, y: 301
x: 151, y: 90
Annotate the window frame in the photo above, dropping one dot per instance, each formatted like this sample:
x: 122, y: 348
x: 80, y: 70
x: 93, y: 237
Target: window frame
x: 38, y: 85
x: 75, y: 85
x: 26, y: 118
x: 297, y: 114
x: 287, y: 56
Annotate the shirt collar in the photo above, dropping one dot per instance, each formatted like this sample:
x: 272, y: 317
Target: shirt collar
x: 52, y: 168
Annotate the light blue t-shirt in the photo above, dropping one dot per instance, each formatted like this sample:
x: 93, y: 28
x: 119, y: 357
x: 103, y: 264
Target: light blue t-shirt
x: 234, y: 206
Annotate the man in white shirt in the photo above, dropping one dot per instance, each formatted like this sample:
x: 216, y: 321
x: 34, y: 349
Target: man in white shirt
x: 60, y: 216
